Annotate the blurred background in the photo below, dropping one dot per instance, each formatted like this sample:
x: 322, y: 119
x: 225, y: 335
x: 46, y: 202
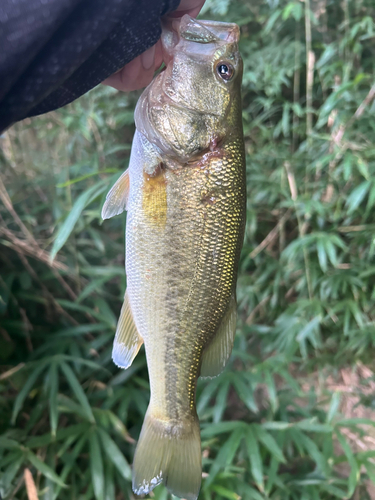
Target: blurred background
x: 292, y: 416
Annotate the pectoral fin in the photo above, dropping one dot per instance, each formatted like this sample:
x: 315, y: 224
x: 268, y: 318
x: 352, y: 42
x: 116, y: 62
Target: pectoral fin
x: 117, y: 198
x: 217, y: 352
x: 127, y: 340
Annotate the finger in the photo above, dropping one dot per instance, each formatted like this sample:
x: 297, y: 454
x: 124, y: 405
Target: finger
x: 158, y: 55
x: 191, y: 7
x: 126, y: 78
x: 148, y: 58
x: 136, y: 74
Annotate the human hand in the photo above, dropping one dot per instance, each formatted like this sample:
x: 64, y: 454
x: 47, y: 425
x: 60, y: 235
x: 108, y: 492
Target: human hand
x: 139, y: 72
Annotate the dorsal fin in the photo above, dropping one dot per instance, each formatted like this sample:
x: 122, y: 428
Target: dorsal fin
x: 117, y: 198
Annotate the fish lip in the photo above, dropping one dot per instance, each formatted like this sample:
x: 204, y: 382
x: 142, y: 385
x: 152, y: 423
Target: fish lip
x: 199, y: 31
x: 191, y: 30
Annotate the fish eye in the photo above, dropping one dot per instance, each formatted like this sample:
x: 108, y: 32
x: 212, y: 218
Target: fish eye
x: 225, y: 70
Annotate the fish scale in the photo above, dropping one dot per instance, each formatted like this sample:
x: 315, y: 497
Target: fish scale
x: 185, y: 193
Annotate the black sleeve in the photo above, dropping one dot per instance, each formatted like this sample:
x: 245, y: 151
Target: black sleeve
x: 53, y: 51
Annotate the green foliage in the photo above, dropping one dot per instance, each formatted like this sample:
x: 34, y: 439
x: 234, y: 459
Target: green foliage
x: 273, y: 424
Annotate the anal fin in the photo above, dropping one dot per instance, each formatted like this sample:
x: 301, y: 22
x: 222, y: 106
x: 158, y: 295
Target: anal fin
x: 217, y: 353
x: 127, y: 339
x: 117, y: 198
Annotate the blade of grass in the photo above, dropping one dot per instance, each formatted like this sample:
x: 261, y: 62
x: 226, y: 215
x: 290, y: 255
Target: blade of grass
x: 254, y: 456
x: 78, y: 391
x: 25, y: 391
x: 44, y: 468
x: 53, y: 388
x: 68, y: 225
x: 96, y: 465
x: 114, y: 454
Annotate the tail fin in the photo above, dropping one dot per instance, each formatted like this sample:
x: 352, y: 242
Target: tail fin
x: 169, y: 455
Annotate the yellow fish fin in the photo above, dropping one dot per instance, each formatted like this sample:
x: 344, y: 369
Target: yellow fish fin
x: 217, y: 353
x: 117, y: 198
x: 168, y: 454
x: 127, y: 340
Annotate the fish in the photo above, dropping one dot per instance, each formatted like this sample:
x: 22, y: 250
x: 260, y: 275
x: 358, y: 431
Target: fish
x: 185, y: 196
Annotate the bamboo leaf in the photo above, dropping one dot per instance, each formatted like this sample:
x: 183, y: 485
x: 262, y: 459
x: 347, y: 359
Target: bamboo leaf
x: 255, y: 458
x: 68, y: 225
x: 313, y: 426
x: 225, y: 493
x: 96, y: 465
x: 25, y: 391
x: 226, y: 454
x: 8, y: 444
x: 53, y: 385
x: 322, y: 256
x: 221, y: 401
x: 313, y: 451
x: 334, y: 406
x: 12, y: 470
x: 78, y: 391
x: 269, y: 442
x: 357, y: 196
x: 276, y: 426
x: 245, y: 393
x: 71, y: 463
x: 44, y: 468
x: 354, y: 469
x: 110, y: 489
x: 114, y: 454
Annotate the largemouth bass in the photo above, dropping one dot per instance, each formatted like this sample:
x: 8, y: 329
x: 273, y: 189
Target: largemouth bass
x: 185, y: 193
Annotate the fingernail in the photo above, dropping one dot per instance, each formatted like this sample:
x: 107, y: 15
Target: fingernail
x: 148, y: 58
